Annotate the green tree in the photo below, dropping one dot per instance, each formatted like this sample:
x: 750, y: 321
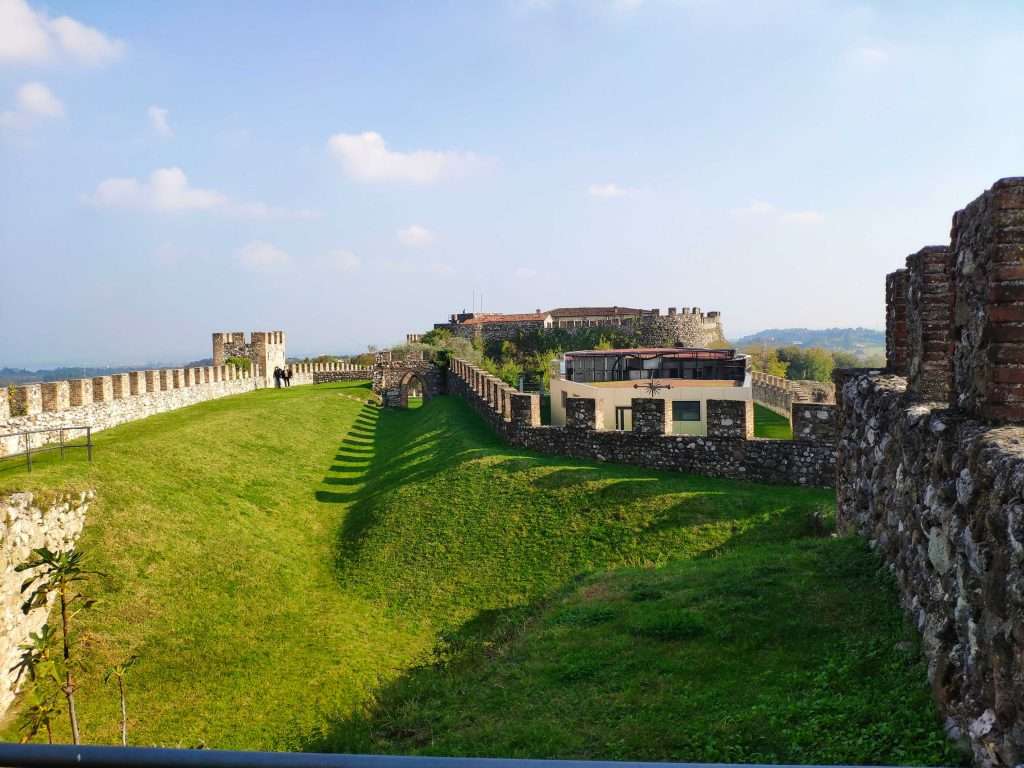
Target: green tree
x: 766, y: 360
x: 59, y: 573
x: 241, y: 363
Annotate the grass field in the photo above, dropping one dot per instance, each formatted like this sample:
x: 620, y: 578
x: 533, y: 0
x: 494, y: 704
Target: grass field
x: 768, y: 423
x: 299, y: 570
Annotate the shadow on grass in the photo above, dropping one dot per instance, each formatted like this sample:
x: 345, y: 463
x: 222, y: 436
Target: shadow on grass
x: 736, y: 660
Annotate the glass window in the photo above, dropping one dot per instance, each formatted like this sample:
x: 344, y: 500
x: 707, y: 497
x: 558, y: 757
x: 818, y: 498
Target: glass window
x: 686, y: 410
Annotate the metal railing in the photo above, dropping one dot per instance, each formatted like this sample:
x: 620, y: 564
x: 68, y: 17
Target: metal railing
x: 61, y: 443
x: 68, y: 756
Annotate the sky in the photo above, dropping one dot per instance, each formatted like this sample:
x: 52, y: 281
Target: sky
x: 349, y: 172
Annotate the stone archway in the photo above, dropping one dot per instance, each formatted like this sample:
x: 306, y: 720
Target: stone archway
x: 393, y: 375
x: 412, y: 385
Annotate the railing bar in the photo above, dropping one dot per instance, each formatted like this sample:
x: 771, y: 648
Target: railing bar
x: 59, y: 756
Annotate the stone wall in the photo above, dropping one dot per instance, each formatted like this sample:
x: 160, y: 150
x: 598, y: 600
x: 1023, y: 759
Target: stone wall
x: 28, y: 522
x: 931, y: 470
x: 515, y: 416
x: 392, y: 374
x: 778, y: 394
x: 687, y: 328
x: 938, y: 496
x: 106, y: 401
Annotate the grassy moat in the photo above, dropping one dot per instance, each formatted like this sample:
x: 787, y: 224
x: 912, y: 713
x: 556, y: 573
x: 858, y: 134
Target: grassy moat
x: 299, y: 570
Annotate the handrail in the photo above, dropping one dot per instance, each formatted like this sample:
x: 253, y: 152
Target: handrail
x: 61, y: 445
x: 70, y: 756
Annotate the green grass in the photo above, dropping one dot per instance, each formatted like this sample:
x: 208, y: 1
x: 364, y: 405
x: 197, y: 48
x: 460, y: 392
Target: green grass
x: 299, y: 570
x: 767, y: 423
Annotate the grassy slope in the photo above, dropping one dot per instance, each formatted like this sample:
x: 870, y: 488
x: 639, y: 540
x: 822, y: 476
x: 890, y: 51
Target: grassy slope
x: 767, y: 423
x: 283, y: 561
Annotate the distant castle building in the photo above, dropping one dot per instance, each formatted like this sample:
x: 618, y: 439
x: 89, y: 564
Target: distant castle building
x: 266, y: 349
x: 684, y: 328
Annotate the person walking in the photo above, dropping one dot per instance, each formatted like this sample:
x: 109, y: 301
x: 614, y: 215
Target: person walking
x: 288, y: 377
x: 277, y: 377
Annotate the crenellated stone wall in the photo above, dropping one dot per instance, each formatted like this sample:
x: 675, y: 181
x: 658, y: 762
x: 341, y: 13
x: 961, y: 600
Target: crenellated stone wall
x: 730, y: 453
x: 106, y: 401
x: 930, y: 467
x: 779, y: 394
x: 29, y: 521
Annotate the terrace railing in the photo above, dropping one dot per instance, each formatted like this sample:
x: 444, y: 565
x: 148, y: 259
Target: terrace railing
x: 68, y: 756
x: 62, y: 444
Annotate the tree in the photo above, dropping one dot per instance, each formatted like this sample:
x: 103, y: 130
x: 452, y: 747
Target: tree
x: 118, y: 672
x: 438, y: 337
x: 39, y: 695
x: 242, y: 363
x: 58, y: 573
x: 766, y: 360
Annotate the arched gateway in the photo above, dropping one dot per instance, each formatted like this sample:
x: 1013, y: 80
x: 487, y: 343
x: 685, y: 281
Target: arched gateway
x: 396, y: 376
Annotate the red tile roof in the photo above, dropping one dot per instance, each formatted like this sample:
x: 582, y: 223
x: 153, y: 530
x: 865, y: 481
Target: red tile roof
x: 499, y: 318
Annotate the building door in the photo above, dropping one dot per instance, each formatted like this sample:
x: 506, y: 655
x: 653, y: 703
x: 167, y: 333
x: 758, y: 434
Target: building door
x: 624, y: 418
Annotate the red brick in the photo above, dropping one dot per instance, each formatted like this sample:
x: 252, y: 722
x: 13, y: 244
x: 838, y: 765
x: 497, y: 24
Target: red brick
x: 1008, y: 273
x: 1005, y: 393
x: 1006, y: 313
x: 1008, y: 375
x: 1006, y: 292
x: 1006, y: 333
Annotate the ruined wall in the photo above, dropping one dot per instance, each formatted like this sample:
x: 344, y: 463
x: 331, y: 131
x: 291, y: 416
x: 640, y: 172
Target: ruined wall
x: 29, y: 521
x: 515, y: 416
x: 392, y: 372
x: 106, y: 401
x: 930, y: 470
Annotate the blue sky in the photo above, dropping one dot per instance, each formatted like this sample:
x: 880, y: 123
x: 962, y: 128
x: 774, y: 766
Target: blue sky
x: 352, y: 171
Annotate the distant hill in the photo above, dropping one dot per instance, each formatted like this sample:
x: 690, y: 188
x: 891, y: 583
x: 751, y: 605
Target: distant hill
x: 24, y: 376
x: 857, y: 340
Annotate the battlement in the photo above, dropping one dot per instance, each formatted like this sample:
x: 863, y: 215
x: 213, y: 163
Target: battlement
x: 265, y: 349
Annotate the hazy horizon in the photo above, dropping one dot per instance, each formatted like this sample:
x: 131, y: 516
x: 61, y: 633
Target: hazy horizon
x: 350, y: 173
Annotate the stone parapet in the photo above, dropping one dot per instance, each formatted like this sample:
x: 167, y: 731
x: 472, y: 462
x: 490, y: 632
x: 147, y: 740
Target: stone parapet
x: 929, y: 310
x: 896, y: 322
x: 730, y: 418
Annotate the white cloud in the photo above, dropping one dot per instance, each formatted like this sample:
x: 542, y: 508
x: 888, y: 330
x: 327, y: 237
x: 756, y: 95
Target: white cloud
x: 525, y: 273
x: 29, y: 36
x: 88, y: 45
x: 342, y: 260
x: 168, y: 191
x: 610, y: 190
x: 415, y: 236
x: 765, y: 210
x: 158, y: 120
x: 261, y: 255
x: 33, y: 100
x: 365, y: 157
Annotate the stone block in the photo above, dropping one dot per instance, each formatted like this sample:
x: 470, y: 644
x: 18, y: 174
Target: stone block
x: 930, y: 300
x: 166, y: 379
x: 27, y: 400
x: 583, y: 413
x: 525, y: 409
x: 988, y: 267
x: 55, y: 396
x: 151, y: 380
x: 121, y: 386
x: 5, y: 404
x: 815, y: 421
x: 80, y: 392
x: 730, y: 418
x: 651, y: 417
x: 102, y: 389
x: 896, y: 322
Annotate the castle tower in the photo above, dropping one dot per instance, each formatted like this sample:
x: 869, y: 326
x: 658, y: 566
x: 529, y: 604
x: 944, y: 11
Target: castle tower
x: 268, y: 351
x: 227, y: 345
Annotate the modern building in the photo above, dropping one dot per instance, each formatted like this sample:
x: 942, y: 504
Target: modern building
x: 687, y: 378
